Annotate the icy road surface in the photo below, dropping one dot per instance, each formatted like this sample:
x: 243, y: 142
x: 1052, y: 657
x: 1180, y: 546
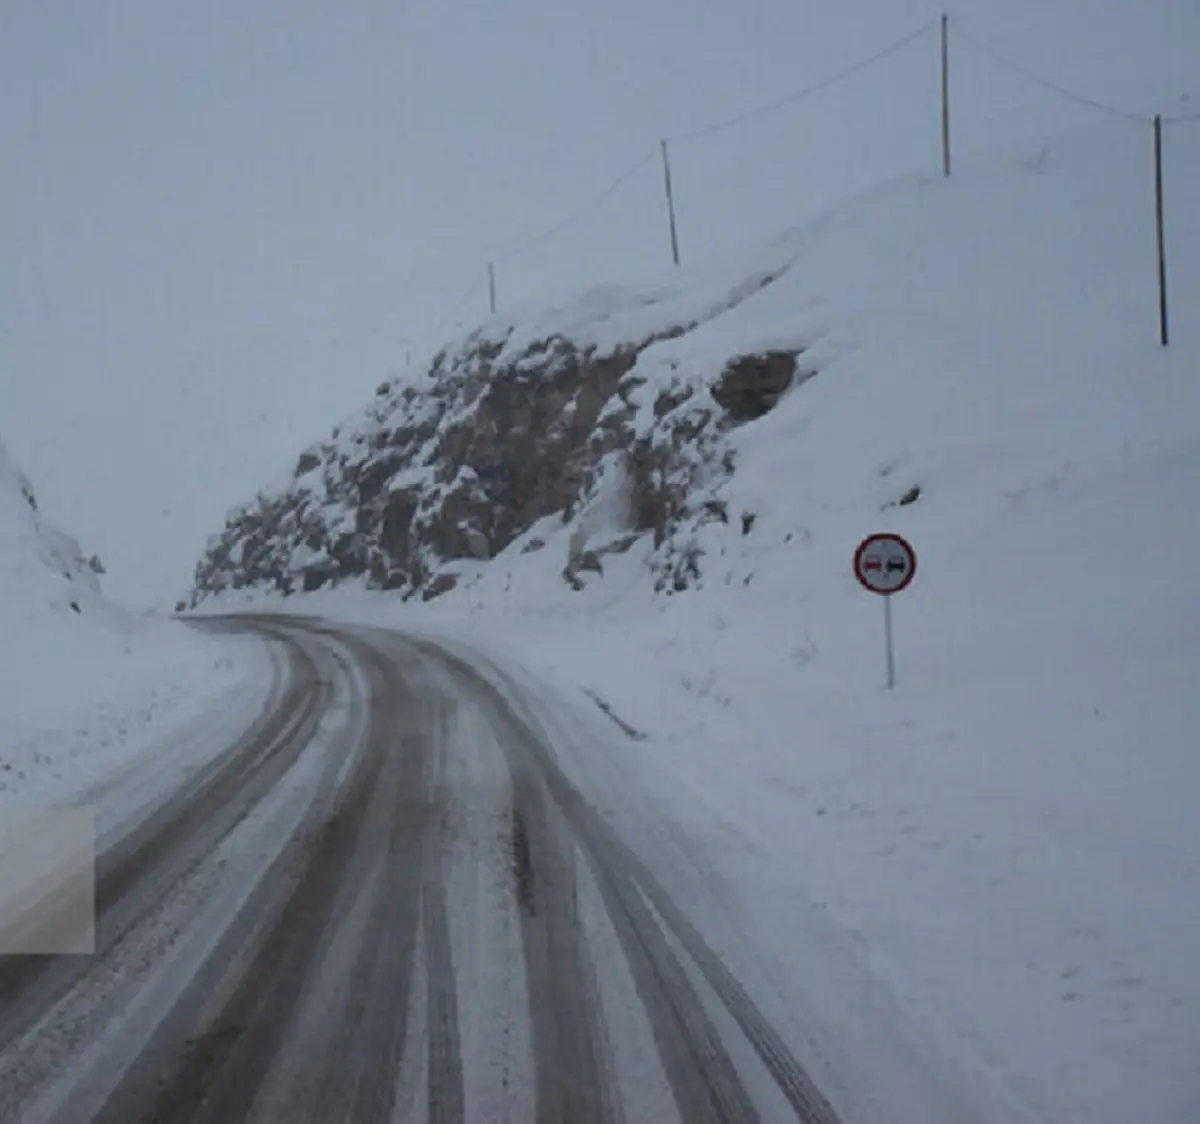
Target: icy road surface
x: 386, y: 901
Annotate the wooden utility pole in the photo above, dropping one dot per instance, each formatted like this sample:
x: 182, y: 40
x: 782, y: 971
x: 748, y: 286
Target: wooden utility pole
x: 492, y: 287
x: 670, y: 203
x: 945, y: 96
x: 1163, y: 334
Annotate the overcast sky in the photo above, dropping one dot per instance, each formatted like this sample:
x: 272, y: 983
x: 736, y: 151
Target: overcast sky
x: 222, y: 224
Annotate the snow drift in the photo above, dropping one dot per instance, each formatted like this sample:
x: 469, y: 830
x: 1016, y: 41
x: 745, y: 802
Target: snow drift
x: 41, y: 569
x: 84, y: 685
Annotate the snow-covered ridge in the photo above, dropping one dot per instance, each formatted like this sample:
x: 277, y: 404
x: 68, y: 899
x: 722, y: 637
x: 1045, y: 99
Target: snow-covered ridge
x: 571, y: 418
x: 85, y: 686
x: 519, y: 430
x: 38, y: 562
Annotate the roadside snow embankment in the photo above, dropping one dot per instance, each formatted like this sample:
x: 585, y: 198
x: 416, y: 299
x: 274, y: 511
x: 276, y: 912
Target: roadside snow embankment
x: 1009, y: 843
x: 85, y: 687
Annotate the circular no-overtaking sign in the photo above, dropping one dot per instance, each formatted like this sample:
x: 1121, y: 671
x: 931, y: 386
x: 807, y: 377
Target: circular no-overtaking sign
x: 885, y: 563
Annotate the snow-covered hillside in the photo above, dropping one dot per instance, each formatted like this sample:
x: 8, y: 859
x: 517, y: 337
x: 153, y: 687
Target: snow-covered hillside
x: 84, y: 685
x: 42, y: 568
x: 523, y: 429
x: 996, y: 867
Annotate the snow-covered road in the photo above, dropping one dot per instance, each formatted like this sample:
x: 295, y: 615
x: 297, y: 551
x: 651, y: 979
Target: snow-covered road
x: 388, y: 900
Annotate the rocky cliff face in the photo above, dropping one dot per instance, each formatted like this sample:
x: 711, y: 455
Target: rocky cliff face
x: 507, y: 435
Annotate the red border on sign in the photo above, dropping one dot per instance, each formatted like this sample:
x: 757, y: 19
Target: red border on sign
x: 869, y: 541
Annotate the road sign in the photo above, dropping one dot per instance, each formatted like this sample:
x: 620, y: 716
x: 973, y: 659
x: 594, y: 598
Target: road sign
x: 885, y: 564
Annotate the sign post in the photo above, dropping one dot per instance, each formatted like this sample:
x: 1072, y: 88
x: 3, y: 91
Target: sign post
x: 887, y: 632
x: 886, y: 564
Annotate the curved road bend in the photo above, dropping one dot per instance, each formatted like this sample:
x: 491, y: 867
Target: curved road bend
x: 385, y: 902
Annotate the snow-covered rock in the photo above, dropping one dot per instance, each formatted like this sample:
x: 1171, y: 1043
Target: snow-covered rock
x: 41, y: 567
x: 512, y: 429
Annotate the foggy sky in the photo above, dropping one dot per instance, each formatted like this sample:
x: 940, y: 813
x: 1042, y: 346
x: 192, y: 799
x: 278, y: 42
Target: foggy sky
x: 222, y: 224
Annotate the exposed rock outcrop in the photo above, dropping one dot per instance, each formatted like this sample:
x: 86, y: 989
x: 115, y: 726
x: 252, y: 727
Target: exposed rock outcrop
x: 751, y: 385
x: 499, y: 438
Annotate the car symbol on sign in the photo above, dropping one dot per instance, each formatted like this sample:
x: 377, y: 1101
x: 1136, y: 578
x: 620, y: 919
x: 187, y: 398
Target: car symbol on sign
x: 872, y: 564
x: 896, y: 565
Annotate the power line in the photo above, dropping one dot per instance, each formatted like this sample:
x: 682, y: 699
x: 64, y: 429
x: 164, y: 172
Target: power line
x: 1046, y: 83
x: 807, y: 91
x: 789, y: 99
x: 579, y: 212
x: 476, y: 285
x: 1001, y: 59
x: 633, y: 169
x: 446, y: 322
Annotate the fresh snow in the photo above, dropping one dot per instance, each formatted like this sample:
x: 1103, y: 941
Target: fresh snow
x: 991, y: 874
x: 87, y: 688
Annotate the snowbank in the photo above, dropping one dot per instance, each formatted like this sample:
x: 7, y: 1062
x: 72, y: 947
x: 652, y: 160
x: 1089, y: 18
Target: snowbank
x: 84, y: 685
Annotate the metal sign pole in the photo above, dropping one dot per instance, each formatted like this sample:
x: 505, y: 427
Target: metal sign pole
x: 945, y: 98
x: 1163, y: 335
x: 670, y: 203
x: 887, y: 632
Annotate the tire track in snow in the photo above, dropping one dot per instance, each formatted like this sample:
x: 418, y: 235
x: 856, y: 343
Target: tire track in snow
x: 573, y: 1082
x: 220, y: 1071
x: 703, y: 1078
x: 340, y: 969
x: 447, y: 1100
x: 141, y: 866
